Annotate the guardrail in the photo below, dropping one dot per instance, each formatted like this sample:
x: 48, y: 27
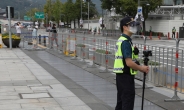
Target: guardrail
x: 164, y: 71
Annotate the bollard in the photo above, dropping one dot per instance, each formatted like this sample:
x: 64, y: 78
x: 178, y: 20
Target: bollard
x: 169, y: 36
x: 150, y: 35
x: 177, y: 35
x: 159, y: 36
x: 39, y: 39
x: 44, y: 40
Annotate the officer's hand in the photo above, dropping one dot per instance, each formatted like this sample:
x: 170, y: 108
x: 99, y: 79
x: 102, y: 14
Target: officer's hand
x: 145, y: 69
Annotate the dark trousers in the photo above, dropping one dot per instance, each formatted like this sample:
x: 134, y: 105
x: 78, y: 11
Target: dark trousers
x: 173, y: 34
x: 125, y: 91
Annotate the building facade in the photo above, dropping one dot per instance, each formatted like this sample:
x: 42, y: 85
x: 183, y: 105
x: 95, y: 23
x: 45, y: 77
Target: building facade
x: 173, y: 2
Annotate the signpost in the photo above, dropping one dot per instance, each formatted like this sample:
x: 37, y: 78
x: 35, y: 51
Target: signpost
x: 139, y: 10
x: 26, y: 18
x: 39, y: 15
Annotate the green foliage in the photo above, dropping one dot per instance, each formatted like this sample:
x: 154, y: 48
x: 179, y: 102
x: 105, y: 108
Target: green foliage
x: 68, y: 10
x: 103, y: 51
x: 56, y: 12
x: 80, y: 45
x: 153, y: 63
x: 129, y: 7
x: 31, y: 13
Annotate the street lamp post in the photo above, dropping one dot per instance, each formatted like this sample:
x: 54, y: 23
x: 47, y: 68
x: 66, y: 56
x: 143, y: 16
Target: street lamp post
x: 81, y: 9
x: 88, y: 14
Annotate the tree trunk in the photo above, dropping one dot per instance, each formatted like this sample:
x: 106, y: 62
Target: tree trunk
x: 67, y: 22
x: 74, y: 23
x: 78, y: 22
x: 144, y: 27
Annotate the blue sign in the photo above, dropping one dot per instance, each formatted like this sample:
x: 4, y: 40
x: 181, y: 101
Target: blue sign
x: 139, y: 10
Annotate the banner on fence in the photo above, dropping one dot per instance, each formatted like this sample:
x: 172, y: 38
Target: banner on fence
x: 1, y: 42
x: 70, y: 46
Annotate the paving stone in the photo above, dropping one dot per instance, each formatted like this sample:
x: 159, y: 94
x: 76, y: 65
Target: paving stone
x: 35, y: 95
x: 46, y: 77
x: 49, y: 82
x: 69, y: 101
x: 41, y: 88
x: 18, y: 101
x: 47, y: 100
x: 10, y: 106
x: 9, y: 97
x: 30, y: 105
x: 82, y: 107
x: 54, y: 108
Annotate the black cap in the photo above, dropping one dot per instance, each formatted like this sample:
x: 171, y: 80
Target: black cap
x: 128, y: 20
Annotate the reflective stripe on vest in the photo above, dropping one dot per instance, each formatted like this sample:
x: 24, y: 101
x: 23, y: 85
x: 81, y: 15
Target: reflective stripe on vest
x: 118, y: 63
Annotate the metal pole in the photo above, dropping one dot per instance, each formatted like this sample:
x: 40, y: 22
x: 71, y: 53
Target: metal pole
x: 46, y: 20
x: 81, y: 9
x: 19, y: 15
x: 88, y: 15
x: 10, y: 38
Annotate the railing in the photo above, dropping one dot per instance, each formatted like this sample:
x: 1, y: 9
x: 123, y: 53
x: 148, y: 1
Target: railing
x: 163, y: 63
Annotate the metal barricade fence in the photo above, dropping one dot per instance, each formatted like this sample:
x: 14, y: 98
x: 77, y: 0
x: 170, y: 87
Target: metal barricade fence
x: 162, y: 63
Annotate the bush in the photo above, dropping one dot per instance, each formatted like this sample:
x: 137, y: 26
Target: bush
x: 147, y: 33
x: 102, y: 51
x: 80, y: 45
x: 6, y: 36
x: 149, y: 63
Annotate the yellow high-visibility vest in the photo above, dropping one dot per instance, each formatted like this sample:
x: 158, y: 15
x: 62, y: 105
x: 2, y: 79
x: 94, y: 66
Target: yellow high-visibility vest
x: 118, y: 63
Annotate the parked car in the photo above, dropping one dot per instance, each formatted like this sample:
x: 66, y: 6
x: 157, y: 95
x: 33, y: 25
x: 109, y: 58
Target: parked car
x: 30, y: 28
x: 25, y: 24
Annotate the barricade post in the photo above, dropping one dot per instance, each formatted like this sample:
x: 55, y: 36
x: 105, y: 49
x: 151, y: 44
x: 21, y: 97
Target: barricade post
x: 83, y: 48
x: 145, y: 38
x: 175, y: 98
x: 67, y: 46
x: 94, y: 49
x: 106, y: 58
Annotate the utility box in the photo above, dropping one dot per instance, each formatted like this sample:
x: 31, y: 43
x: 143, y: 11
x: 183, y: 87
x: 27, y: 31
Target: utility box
x: 181, y: 32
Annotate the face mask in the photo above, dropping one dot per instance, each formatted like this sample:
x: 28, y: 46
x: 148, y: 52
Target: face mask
x: 133, y: 30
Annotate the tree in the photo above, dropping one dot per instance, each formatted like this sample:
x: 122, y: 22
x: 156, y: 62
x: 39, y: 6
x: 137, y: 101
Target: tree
x: 68, y: 11
x: 92, y: 10
x: 31, y: 13
x: 48, y: 9
x: 56, y: 11
x: 77, y: 4
x: 129, y: 7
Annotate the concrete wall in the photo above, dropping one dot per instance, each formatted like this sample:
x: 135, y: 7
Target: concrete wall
x: 164, y: 26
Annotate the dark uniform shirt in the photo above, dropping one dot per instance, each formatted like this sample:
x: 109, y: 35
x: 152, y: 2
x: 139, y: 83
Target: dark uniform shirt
x: 126, y: 49
x: 54, y: 30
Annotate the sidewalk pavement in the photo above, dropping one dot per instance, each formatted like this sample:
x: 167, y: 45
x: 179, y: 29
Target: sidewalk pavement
x: 48, y: 80
x: 25, y: 85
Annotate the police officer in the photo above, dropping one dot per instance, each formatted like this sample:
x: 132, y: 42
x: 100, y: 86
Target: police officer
x: 173, y: 32
x: 125, y: 67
